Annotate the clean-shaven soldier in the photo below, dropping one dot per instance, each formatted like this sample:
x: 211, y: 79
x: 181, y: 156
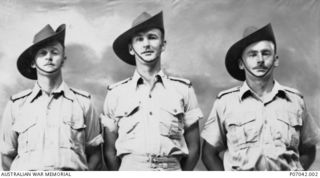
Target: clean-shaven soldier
x: 150, y: 119
x: 52, y: 126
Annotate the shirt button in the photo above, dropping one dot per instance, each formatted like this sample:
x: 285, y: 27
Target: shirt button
x: 150, y: 96
x: 174, y: 110
x: 150, y: 113
x: 265, y: 121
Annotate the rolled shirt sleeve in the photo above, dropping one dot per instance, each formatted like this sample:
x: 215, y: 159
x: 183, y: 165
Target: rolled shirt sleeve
x: 93, y: 129
x: 107, y: 117
x: 192, y: 111
x: 310, y: 132
x: 8, y: 142
x: 213, y: 131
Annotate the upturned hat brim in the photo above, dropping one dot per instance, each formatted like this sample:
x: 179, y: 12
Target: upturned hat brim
x: 235, y: 51
x: 24, y: 61
x: 121, y: 44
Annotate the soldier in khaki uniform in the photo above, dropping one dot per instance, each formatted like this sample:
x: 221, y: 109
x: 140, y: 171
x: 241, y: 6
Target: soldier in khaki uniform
x: 261, y: 125
x: 52, y: 126
x: 150, y: 119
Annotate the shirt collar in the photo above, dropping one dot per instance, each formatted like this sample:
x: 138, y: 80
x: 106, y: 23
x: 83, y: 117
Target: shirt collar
x: 137, y: 79
x: 62, y: 89
x: 277, y: 90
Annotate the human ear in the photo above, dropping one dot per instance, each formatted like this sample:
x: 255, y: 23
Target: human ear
x: 130, y: 49
x: 240, y: 63
x: 276, y: 61
x: 163, y: 45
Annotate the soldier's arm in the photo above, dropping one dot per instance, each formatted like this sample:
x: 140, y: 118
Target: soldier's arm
x: 8, y: 138
x: 6, y: 162
x: 307, y: 156
x: 211, y: 158
x: 110, y: 154
x: 214, y: 138
x: 110, y: 129
x: 94, y: 139
x: 192, y: 138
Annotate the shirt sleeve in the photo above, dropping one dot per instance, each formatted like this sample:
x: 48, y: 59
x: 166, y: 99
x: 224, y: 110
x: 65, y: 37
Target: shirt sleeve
x: 192, y: 111
x: 8, y: 141
x: 108, y: 119
x: 93, y: 129
x: 213, y: 131
x: 310, y: 133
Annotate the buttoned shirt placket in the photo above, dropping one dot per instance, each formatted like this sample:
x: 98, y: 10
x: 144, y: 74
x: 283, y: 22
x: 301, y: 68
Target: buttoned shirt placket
x: 149, y: 104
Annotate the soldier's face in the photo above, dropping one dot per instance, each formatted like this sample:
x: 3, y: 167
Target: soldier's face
x: 147, y: 46
x: 259, y: 59
x: 49, y: 59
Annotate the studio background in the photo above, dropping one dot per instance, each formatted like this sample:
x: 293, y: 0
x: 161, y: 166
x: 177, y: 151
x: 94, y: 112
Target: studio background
x: 198, y: 35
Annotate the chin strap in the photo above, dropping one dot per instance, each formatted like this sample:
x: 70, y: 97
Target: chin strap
x: 47, y: 71
x: 142, y: 57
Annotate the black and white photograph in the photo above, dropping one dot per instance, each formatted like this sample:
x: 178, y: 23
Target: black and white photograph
x: 160, y: 85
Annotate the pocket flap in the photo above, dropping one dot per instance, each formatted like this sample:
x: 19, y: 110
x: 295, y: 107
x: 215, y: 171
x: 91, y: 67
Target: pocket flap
x: 241, y: 119
x: 22, y: 126
x: 126, y: 109
x: 290, y: 118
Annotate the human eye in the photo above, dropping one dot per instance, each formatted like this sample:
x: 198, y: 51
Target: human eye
x: 252, y: 54
x: 42, y: 52
x: 55, y: 52
x: 138, y: 38
x: 266, y: 53
x: 153, y: 37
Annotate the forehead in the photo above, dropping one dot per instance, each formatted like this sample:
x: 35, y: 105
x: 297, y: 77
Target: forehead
x: 154, y: 31
x: 260, y: 45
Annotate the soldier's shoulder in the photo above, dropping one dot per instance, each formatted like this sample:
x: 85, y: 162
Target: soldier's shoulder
x: 180, y: 80
x: 228, y: 92
x: 293, y: 91
x: 116, y: 85
x: 80, y: 92
x: 20, y: 95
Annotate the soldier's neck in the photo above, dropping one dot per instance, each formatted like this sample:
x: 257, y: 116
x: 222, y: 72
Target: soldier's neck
x: 148, y: 71
x: 48, y: 84
x: 261, y: 87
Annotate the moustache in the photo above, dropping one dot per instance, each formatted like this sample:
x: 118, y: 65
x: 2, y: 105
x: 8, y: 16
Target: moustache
x: 144, y: 52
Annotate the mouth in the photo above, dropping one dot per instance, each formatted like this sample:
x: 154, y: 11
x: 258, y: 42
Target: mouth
x: 147, y: 52
x: 260, y: 68
x: 49, y: 64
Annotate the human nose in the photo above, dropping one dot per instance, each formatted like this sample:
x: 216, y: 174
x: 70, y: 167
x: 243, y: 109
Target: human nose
x: 48, y: 56
x: 146, y: 43
x: 259, y: 58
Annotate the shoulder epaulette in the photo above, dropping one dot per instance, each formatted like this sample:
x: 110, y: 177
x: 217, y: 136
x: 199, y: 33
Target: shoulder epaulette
x: 294, y: 91
x: 80, y: 92
x: 185, y: 81
x: 231, y: 90
x: 20, y: 95
x: 110, y: 87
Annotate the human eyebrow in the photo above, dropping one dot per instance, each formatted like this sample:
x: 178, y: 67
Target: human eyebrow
x: 266, y: 52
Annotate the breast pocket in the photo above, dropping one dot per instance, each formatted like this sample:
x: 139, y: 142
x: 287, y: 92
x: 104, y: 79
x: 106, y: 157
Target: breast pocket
x: 171, y: 119
x: 28, y: 134
x: 73, y: 132
x: 288, y: 128
x: 242, y: 129
x: 126, y: 114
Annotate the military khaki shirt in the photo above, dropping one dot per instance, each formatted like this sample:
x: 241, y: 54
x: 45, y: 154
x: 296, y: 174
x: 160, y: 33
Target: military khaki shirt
x: 260, y: 134
x: 151, y: 120
x: 49, y: 132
